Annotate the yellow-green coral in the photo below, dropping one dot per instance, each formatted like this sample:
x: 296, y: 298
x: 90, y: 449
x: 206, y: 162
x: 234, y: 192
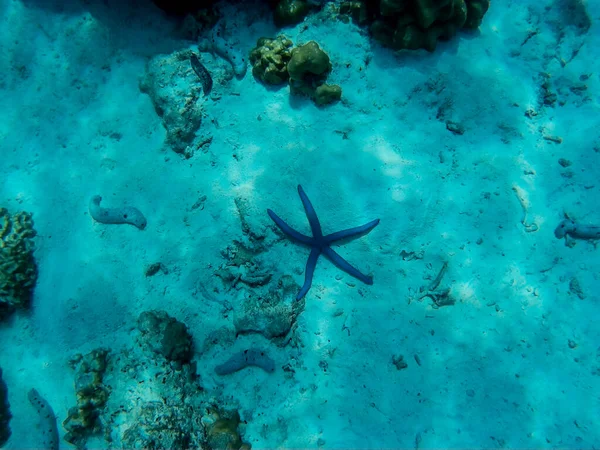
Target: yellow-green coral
x: 18, y: 271
x: 269, y: 59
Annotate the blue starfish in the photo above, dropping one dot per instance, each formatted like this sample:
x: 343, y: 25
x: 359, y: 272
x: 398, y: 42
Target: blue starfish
x: 321, y: 244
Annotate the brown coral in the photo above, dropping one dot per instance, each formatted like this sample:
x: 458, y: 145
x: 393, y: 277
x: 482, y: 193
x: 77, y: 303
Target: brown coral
x: 18, y: 271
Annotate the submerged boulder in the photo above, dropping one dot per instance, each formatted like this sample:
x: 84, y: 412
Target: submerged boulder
x: 4, y: 412
x: 166, y: 336
x: 174, y: 90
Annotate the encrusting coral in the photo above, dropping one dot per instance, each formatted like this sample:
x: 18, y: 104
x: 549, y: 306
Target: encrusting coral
x: 18, y: 270
x: 92, y: 394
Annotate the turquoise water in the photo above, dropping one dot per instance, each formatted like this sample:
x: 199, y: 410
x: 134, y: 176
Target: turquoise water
x: 181, y: 327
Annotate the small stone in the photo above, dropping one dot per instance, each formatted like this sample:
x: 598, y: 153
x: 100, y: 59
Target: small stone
x: 398, y: 361
x: 152, y: 269
x: 155, y: 268
x: 338, y: 312
x: 455, y: 128
x: 575, y: 288
x: 551, y: 138
x: 564, y: 162
x: 199, y: 203
x: 531, y: 113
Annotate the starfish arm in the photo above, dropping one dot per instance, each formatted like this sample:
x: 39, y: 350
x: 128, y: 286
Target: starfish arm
x: 351, y: 232
x: 345, y: 266
x: 313, y: 220
x: 288, y: 230
x: 310, y: 270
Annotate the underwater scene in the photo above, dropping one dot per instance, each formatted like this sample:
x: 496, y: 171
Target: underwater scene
x: 299, y: 224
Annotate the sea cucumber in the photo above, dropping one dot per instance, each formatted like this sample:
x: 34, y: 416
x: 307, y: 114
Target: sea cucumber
x: 127, y: 214
x: 202, y: 72
x: 569, y: 227
x: 217, y: 44
x: 47, y: 420
x: 241, y: 360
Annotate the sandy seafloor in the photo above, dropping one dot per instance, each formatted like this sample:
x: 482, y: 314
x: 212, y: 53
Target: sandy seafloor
x: 515, y: 362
